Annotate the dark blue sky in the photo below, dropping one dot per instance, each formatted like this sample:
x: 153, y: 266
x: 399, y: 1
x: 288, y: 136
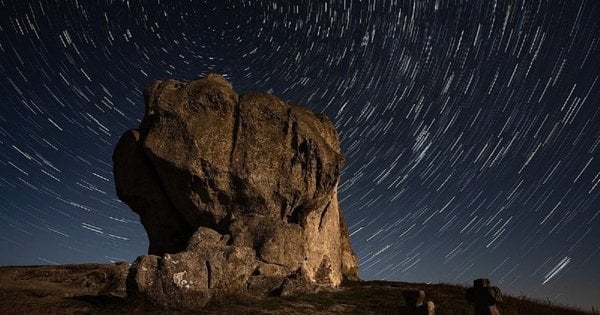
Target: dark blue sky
x: 470, y: 128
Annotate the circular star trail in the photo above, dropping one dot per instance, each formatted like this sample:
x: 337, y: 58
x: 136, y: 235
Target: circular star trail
x: 470, y: 128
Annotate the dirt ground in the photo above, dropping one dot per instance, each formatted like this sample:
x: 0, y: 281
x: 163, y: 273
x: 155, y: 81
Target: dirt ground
x: 66, y: 289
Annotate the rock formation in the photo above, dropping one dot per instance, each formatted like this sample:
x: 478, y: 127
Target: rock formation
x: 238, y: 193
x: 485, y: 297
x: 416, y: 305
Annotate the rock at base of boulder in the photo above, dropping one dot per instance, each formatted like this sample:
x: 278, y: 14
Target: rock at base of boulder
x: 190, y: 279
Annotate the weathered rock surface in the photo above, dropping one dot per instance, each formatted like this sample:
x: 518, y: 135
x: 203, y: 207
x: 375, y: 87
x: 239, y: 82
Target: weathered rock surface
x: 236, y: 193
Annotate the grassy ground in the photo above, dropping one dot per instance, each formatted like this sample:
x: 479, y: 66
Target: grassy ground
x: 380, y: 297
x: 99, y: 289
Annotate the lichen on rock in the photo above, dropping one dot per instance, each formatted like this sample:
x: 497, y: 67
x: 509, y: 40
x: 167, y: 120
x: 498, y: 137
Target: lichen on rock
x: 236, y: 192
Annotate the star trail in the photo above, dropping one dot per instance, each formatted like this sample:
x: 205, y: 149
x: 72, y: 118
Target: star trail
x: 471, y: 129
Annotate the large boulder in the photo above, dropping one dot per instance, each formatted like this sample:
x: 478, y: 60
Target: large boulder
x: 236, y: 192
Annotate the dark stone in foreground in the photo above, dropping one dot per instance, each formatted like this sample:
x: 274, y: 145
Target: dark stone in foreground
x: 238, y: 193
x: 415, y: 303
x: 485, y: 297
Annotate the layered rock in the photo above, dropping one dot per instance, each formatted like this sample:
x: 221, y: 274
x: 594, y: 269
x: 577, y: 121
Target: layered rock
x: 236, y: 192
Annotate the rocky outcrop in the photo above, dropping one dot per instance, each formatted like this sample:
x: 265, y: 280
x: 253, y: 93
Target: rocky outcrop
x: 485, y: 297
x: 236, y: 193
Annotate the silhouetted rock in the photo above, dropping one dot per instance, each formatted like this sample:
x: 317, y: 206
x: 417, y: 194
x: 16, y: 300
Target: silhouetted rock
x: 239, y: 190
x: 416, y: 305
x: 484, y: 297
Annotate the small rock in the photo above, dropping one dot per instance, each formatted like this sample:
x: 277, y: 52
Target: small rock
x: 484, y: 297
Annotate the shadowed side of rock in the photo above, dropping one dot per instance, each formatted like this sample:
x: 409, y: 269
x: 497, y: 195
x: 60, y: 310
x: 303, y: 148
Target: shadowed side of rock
x: 236, y: 193
x: 139, y: 186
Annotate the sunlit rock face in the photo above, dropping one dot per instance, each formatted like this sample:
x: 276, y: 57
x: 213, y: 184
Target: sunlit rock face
x: 236, y: 193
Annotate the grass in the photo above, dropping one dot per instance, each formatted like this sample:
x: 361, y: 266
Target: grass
x: 381, y: 297
x: 83, y: 290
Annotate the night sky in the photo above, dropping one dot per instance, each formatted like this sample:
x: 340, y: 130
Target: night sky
x: 471, y: 129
